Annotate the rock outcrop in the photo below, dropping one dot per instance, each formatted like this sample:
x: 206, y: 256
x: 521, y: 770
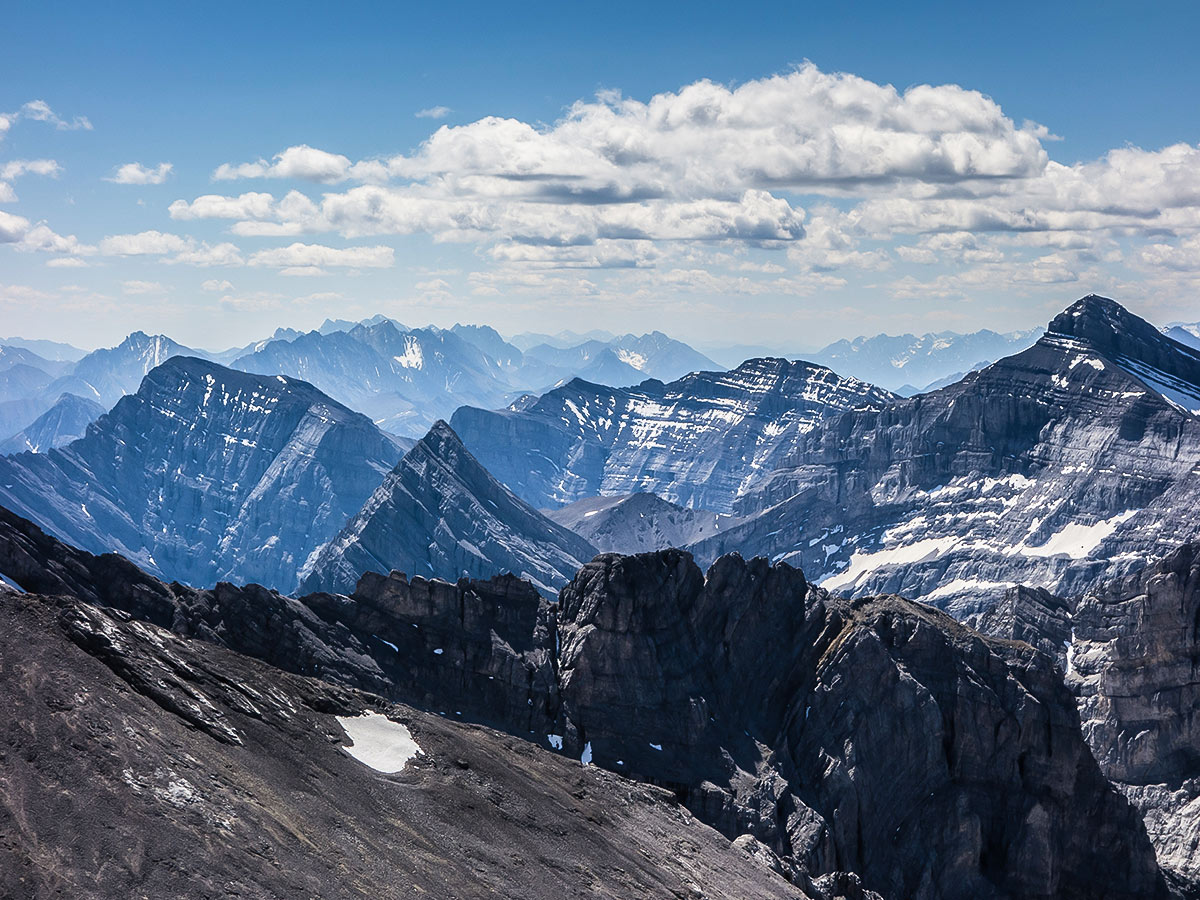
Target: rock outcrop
x: 440, y: 514
x: 1134, y: 661
x: 880, y: 736
x: 134, y: 763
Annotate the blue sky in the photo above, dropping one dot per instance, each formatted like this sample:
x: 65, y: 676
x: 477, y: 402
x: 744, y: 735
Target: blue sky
x: 799, y: 202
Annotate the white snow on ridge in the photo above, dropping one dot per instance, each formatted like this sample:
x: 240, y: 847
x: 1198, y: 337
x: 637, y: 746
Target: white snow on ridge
x: 1178, y: 393
x: 378, y: 742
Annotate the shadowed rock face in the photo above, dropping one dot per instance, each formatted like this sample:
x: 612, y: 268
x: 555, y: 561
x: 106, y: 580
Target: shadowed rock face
x: 1032, y: 615
x: 877, y: 736
x: 874, y: 737
x: 1134, y: 663
x: 439, y: 513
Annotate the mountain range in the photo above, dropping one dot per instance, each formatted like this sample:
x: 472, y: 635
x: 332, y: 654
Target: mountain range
x: 909, y: 364
x: 698, y: 441
x: 1068, y: 462
x: 535, y: 592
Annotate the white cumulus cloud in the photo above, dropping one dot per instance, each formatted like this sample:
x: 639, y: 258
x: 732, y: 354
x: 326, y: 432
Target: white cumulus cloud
x: 136, y: 173
x: 316, y: 255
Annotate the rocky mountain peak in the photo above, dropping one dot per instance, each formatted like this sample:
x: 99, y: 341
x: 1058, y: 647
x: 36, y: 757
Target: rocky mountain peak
x: 440, y: 514
x: 1113, y: 330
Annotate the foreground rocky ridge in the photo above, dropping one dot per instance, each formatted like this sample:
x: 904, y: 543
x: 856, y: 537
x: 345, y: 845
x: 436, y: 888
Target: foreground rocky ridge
x: 880, y: 738
x: 134, y: 763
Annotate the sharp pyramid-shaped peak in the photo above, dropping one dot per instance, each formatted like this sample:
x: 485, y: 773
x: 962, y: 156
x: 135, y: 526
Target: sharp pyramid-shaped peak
x: 1110, y: 330
x: 1104, y: 323
x: 441, y: 433
x: 441, y: 514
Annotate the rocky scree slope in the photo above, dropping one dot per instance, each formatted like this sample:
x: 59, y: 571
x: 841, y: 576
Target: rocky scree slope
x: 439, y: 513
x: 697, y: 442
x: 134, y: 762
x: 883, y: 741
x: 207, y: 474
x: 1059, y: 466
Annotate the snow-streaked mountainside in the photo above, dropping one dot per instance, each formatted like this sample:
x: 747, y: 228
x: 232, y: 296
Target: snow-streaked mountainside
x: 207, y: 474
x: 403, y: 380
x: 1068, y: 462
x: 908, y: 364
x: 107, y: 375
x: 65, y: 421
x: 699, y: 441
x: 638, y: 523
x: 103, y: 376
x: 440, y: 514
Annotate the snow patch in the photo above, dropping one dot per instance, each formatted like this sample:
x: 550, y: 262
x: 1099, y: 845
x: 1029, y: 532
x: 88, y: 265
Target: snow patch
x: 555, y: 741
x: 861, y: 563
x: 586, y: 756
x: 1076, y: 540
x: 378, y: 742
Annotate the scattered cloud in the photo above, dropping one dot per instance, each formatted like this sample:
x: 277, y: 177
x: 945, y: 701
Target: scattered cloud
x: 145, y: 243
x: 18, y: 167
x: 433, y: 112
x: 136, y: 173
x: 296, y: 256
x: 215, y: 284
x: 135, y: 288
x: 303, y: 162
x: 40, y: 111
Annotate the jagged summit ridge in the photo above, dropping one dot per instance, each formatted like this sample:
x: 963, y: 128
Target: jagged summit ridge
x: 877, y: 729
x: 698, y: 441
